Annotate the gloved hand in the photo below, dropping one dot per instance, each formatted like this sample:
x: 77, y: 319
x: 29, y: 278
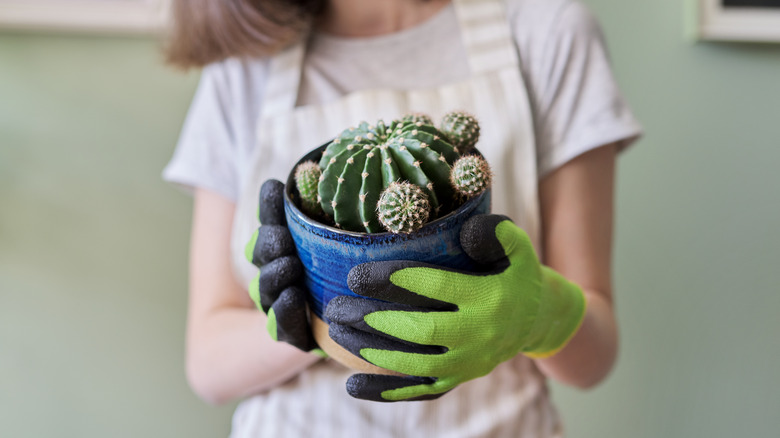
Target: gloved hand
x: 277, y: 290
x: 442, y: 327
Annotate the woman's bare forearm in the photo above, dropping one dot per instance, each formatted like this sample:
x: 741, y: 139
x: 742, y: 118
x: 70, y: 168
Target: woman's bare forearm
x: 230, y: 355
x: 577, y: 220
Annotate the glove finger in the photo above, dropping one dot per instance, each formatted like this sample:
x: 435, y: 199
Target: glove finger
x: 249, y: 248
x: 277, y: 276
x: 372, y: 280
x: 273, y: 242
x: 271, y: 211
x: 381, y: 388
x: 254, y: 293
x: 355, y: 341
x: 490, y: 239
x: 350, y: 311
x: 292, y: 320
x: 479, y: 241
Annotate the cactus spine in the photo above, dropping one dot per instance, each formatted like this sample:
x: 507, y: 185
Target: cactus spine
x: 403, y: 207
x: 462, y: 130
x: 470, y: 176
x: 307, y: 178
x: 363, y: 161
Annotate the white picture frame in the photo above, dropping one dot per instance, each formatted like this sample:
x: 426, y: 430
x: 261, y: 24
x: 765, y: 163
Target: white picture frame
x: 714, y: 21
x: 85, y: 16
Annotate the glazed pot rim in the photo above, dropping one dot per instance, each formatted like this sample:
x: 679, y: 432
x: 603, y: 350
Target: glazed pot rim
x: 428, y: 228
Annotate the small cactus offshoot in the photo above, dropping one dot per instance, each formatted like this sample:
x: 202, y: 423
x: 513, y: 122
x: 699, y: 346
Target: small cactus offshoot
x: 470, y: 175
x: 461, y: 129
x: 307, y: 177
x: 415, y: 118
x: 403, y: 207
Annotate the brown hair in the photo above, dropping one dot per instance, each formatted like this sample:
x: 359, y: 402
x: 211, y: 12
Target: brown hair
x: 206, y: 31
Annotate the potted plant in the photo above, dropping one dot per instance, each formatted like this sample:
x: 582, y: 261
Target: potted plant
x: 387, y: 191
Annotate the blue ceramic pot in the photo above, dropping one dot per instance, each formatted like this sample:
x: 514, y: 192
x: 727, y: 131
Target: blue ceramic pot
x: 328, y: 253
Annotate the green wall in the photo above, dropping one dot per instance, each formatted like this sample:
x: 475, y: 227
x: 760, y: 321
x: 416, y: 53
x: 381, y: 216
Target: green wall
x: 93, y: 245
x: 697, y: 245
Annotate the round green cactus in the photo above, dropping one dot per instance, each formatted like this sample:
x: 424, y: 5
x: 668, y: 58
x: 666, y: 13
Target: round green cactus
x: 461, y: 129
x: 471, y: 175
x: 403, y: 207
x: 307, y: 178
x: 363, y: 161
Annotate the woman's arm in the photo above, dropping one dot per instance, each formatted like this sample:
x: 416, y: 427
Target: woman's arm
x: 577, y: 208
x: 229, y: 352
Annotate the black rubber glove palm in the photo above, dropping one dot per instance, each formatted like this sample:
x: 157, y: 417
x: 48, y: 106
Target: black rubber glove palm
x: 278, y: 290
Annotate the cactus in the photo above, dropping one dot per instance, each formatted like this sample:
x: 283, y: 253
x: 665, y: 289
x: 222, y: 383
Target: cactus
x: 307, y: 177
x: 416, y: 118
x: 363, y: 161
x: 403, y: 207
x: 470, y: 176
x: 461, y: 129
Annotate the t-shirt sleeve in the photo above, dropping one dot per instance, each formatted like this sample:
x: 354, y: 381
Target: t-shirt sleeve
x: 205, y: 153
x: 577, y: 102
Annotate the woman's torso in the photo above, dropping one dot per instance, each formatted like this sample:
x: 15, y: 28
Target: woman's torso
x: 471, y: 63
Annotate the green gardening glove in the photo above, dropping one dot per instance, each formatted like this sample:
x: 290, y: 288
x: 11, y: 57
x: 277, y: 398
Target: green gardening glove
x: 278, y: 289
x: 442, y: 327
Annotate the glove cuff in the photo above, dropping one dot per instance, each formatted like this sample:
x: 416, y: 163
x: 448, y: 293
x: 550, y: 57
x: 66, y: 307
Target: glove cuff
x: 561, y: 311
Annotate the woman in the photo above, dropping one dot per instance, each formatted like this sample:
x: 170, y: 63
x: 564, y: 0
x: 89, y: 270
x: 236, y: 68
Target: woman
x: 536, y: 75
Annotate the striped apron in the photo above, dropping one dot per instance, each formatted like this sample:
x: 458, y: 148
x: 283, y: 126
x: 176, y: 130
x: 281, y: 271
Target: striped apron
x: 511, y: 401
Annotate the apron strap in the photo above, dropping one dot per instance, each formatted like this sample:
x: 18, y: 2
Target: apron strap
x: 486, y: 34
x: 284, y: 77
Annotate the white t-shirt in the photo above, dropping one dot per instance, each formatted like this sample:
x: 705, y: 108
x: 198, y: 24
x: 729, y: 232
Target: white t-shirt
x: 575, y: 99
x: 576, y: 106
